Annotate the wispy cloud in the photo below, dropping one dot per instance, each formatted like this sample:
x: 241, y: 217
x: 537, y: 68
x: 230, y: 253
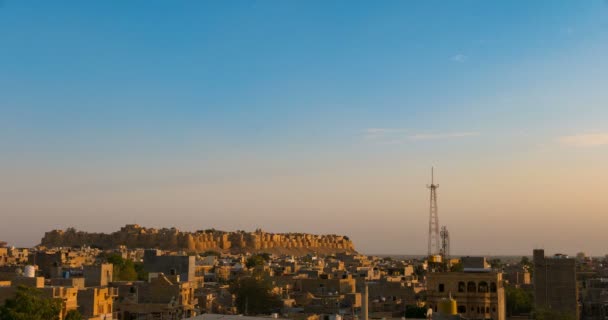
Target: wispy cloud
x: 459, y: 58
x: 585, y: 140
x: 399, y: 135
x: 438, y: 136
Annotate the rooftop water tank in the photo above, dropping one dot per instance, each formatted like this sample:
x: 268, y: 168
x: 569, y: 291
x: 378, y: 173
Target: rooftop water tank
x: 29, y: 271
x: 447, y: 306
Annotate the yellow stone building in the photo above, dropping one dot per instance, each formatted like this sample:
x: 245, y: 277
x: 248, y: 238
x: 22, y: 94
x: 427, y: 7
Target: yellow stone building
x: 479, y: 295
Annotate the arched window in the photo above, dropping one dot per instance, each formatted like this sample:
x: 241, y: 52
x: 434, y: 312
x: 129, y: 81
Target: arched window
x: 471, y: 287
x: 493, y: 287
x: 483, y: 287
x: 461, y: 286
x: 441, y: 287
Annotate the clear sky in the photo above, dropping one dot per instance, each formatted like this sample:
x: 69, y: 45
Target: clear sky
x: 309, y: 116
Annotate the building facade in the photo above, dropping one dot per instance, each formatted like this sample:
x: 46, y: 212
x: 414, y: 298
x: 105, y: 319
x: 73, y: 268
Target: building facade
x: 479, y: 295
x: 555, y: 286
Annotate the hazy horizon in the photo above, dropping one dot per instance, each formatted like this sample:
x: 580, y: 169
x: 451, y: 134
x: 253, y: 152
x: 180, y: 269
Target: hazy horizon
x: 311, y: 116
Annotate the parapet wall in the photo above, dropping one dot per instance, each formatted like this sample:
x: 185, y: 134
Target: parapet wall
x: 134, y: 236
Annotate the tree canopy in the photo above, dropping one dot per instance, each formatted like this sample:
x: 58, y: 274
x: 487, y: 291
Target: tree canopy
x: 519, y: 301
x: 30, y: 304
x: 211, y: 253
x: 257, y: 260
x: 254, y: 295
x: 73, y: 315
x: 126, y: 269
x: 457, y: 267
x: 415, y: 312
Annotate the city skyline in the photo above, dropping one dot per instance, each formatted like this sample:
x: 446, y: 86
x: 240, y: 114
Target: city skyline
x: 317, y: 117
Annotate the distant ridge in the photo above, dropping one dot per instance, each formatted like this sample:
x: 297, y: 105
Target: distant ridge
x: 135, y: 236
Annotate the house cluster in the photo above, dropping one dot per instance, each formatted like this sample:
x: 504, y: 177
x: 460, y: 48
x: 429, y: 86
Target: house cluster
x: 178, y: 285
x: 181, y: 284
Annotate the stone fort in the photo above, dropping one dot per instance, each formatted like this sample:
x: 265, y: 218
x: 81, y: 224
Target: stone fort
x: 135, y: 236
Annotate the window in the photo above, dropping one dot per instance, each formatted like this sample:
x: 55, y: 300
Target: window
x: 483, y: 287
x: 441, y: 287
x: 462, y: 309
x: 493, y: 287
x: 471, y: 287
x: 461, y: 286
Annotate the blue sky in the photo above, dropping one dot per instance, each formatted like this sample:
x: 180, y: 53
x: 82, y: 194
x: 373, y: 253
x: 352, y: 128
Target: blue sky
x: 115, y: 109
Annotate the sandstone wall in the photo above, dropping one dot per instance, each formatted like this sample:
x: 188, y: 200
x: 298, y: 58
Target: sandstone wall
x: 134, y: 236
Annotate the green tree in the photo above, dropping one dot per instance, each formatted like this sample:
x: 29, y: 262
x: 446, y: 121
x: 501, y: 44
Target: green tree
x: 141, y: 273
x: 211, y: 253
x: 73, y: 315
x: 457, y: 267
x: 415, y: 312
x: 496, y: 263
x: 257, y: 260
x: 419, y: 271
x: 124, y: 269
x: 518, y: 300
x: 254, y: 295
x: 30, y: 304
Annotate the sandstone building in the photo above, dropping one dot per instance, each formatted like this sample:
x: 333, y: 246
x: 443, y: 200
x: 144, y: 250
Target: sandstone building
x: 478, y: 291
x: 555, y: 285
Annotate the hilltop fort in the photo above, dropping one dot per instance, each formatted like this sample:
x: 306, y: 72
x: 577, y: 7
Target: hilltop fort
x: 135, y: 236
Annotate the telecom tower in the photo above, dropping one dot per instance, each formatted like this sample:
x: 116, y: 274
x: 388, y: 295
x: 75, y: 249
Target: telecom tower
x: 434, y: 241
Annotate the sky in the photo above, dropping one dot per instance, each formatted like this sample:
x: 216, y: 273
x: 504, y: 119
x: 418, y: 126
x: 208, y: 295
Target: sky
x: 309, y: 116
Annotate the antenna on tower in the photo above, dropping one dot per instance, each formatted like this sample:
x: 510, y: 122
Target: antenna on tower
x: 434, y: 241
x: 445, y: 243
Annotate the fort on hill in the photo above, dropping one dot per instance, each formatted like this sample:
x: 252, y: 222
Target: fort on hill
x: 135, y: 236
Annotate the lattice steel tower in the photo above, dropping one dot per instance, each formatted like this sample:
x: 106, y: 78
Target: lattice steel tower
x: 445, y: 243
x: 434, y: 240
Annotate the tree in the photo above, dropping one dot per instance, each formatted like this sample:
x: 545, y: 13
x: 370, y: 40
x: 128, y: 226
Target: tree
x: 73, y: 315
x: 211, y: 253
x: 254, y: 295
x: 257, y: 260
x: 496, y: 263
x: 141, y: 273
x: 419, y: 271
x: 30, y: 304
x: 526, y: 263
x: 415, y: 312
x: 457, y: 267
x: 124, y: 269
x: 518, y: 300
